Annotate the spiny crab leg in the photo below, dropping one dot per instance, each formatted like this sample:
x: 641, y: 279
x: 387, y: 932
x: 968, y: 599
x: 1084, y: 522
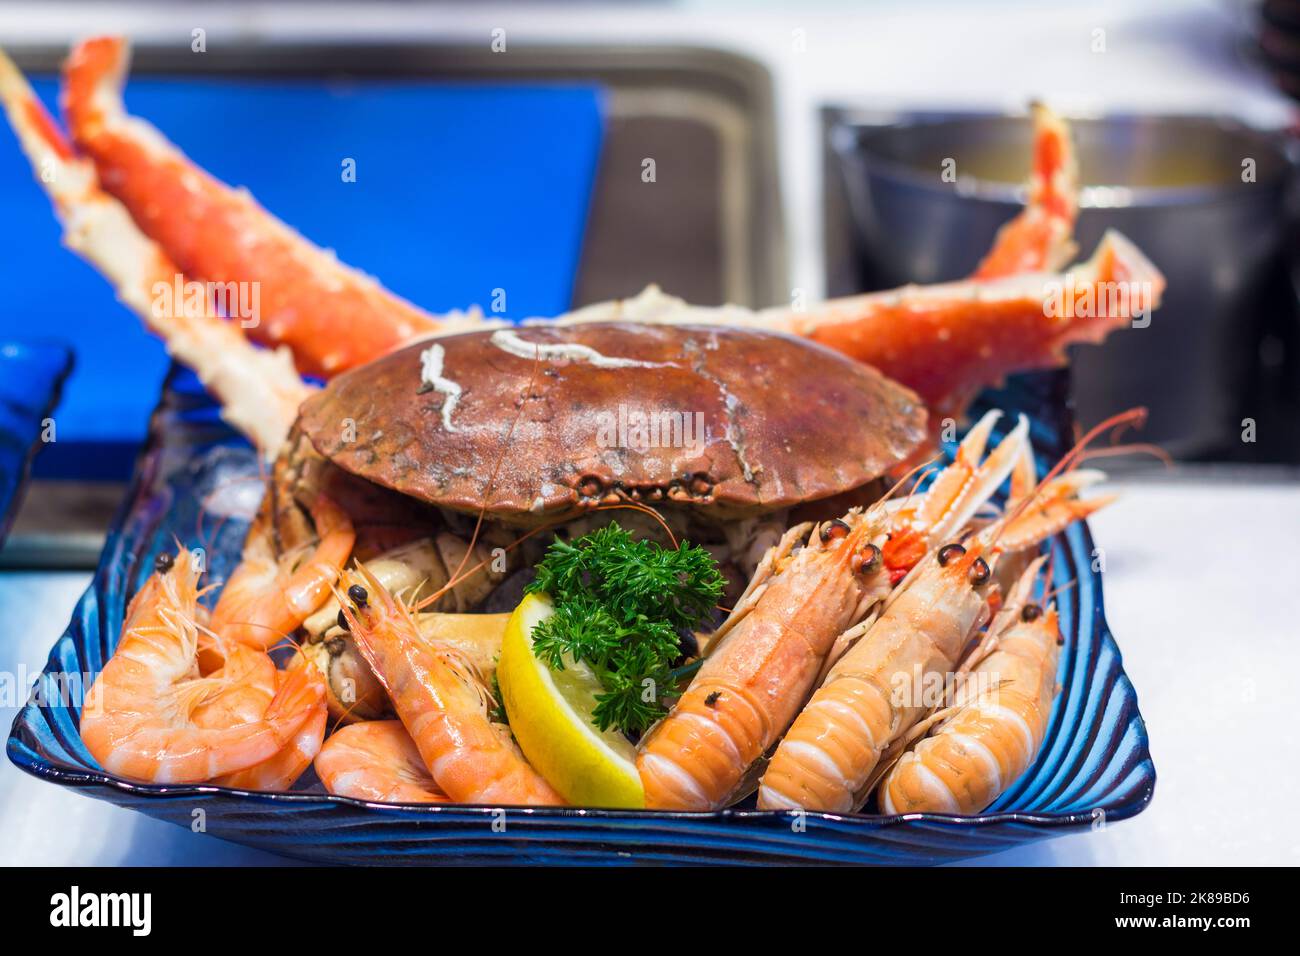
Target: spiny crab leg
x: 1041, y: 237
x: 331, y: 316
x: 947, y: 341
x: 258, y: 389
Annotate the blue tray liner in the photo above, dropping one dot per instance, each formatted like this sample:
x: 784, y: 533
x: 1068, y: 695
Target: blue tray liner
x: 31, y: 374
x: 461, y: 189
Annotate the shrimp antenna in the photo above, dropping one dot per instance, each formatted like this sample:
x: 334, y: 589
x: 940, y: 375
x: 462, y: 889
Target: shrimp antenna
x: 347, y: 712
x: 1130, y: 448
x: 205, y: 504
x: 646, y: 509
x: 457, y: 579
x: 1060, y: 589
x: 1133, y: 417
x: 929, y: 465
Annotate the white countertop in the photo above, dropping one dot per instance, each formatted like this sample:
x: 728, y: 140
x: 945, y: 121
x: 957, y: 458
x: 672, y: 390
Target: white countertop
x: 1202, y: 591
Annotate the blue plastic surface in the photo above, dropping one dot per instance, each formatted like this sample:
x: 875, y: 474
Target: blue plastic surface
x: 460, y: 190
x: 30, y: 376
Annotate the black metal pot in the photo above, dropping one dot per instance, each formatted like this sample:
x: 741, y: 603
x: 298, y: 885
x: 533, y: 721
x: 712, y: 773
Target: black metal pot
x: 1175, y: 185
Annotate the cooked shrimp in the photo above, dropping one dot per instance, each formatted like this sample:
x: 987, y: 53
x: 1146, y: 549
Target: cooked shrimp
x: 269, y: 597
x: 991, y: 733
x: 376, y: 760
x: 244, y: 683
x: 281, y: 771
x: 253, y: 683
x: 869, y: 698
x: 440, y: 698
x: 138, y: 715
x: 801, y: 610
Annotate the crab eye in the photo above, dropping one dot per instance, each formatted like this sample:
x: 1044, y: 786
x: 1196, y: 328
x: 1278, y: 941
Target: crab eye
x: 834, y: 529
x: 1030, y: 612
x: 701, y: 487
x: 979, y: 572
x: 948, y: 552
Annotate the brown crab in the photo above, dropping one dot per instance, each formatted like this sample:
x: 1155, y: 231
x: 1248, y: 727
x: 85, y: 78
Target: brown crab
x: 723, y: 431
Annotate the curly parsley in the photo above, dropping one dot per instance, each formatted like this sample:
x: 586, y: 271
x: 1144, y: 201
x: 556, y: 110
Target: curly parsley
x: 619, y: 607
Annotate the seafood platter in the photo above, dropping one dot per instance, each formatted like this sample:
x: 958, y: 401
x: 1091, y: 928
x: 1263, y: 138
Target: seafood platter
x: 645, y: 582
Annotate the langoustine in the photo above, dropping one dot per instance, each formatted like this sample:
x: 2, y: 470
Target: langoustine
x: 879, y: 689
x: 801, y: 608
x: 990, y: 733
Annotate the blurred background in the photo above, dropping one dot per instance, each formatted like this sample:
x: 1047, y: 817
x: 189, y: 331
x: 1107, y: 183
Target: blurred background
x: 797, y: 152
x: 501, y: 147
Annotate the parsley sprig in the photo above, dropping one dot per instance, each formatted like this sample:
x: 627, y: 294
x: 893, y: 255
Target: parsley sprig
x: 619, y: 607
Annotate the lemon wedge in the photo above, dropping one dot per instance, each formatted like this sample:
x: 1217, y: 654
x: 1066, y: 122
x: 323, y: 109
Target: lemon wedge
x: 550, y: 715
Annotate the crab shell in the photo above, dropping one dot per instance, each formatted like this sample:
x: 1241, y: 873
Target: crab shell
x: 543, y: 423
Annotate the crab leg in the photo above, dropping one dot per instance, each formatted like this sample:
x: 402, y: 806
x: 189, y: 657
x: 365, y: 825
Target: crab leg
x: 331, y: 316
x: 259, y: 390
x: 944, y: 341
x: 1041, y: 237
x: 947, y: 341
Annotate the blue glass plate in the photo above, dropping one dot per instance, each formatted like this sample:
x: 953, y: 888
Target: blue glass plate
x: 1094, y: 766
x: 31, y: 375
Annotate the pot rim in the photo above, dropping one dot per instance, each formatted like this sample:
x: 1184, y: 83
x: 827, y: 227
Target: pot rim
x: 848, y: 133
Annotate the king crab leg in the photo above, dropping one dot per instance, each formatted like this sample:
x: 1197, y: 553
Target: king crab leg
x: 1041, y: 237
x: 332, y: 317
x: 258, y: 389
x: 945, y: 341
